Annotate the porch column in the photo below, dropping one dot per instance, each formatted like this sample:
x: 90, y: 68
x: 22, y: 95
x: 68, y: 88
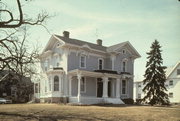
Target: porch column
x: 70, y: 79
x: 105, y: 87
x: 79, y: 87
x: 117, y: 88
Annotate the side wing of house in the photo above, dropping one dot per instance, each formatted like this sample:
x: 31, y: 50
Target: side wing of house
x: 173, y: 84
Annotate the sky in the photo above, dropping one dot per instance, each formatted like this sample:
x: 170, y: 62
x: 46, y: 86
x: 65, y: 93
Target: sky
x: 114, y: 21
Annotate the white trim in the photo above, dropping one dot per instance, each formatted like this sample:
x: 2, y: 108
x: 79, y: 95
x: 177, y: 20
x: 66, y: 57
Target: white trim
x: 84, y: 61
x: 173, y: 69
x: 102, y: 63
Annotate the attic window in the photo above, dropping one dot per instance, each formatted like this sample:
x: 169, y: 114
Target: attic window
x: 124, y: 51
x: 58, y: 44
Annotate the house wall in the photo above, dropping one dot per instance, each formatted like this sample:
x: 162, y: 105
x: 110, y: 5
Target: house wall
x: 175, y: 87
x: 118, y: 63
x: 91, y: 62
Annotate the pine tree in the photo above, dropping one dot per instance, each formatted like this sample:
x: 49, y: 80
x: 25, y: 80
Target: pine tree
x: 155, y: 90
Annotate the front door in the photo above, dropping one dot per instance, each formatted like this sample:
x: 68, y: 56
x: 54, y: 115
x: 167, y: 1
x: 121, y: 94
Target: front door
x: 99, y: 87
x: 109, y: 89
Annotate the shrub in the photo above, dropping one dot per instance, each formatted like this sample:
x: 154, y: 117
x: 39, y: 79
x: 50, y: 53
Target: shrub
x: 128, y: 101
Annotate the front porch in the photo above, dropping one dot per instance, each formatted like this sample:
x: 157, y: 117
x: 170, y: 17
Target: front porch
x: 86, y: 87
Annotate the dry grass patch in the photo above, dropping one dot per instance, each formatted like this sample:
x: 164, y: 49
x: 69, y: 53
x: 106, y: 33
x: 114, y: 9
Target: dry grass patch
x: 56, y: 112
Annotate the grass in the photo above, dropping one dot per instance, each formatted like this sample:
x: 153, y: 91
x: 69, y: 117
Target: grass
x: 57, y: 112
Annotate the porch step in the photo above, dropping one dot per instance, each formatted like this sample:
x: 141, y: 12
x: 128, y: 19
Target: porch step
x: 113, y: 100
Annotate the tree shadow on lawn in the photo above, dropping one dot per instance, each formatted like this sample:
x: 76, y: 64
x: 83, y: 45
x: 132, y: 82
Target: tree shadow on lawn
x: 48, y: 118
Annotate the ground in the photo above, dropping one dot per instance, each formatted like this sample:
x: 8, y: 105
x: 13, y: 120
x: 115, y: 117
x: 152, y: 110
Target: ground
x: 56, y: 112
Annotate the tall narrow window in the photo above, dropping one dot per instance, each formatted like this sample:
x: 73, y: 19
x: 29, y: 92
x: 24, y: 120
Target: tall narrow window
x: 56, y: 83
x: 124, y: 66
x: 100, y: 64
x: 36, y: 87
x: 83, y: 85
x: 83, y: 61
x: 124, y: 86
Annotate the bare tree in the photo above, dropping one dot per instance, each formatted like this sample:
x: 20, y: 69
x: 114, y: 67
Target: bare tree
x: 14, y: 53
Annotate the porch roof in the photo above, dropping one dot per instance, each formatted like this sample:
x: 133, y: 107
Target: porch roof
x: 92, y: 74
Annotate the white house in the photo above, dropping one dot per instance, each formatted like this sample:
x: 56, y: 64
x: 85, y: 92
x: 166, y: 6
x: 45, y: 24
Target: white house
x: 172, y: 85
x: 76, y: 71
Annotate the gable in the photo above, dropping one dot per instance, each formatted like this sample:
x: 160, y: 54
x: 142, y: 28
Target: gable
x: 126, y: 46
x: 173, y: 72
x: 52, y: 43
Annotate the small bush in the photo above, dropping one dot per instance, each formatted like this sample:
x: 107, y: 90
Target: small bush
x: 139, y: 101
x: 128, y: 101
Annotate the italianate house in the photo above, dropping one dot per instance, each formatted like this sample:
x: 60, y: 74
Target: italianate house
x: 76, y: 71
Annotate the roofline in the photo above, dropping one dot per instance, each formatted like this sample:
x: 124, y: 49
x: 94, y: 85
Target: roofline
x: 138, y: 55
x: 127, y: 42
x: 53, y: 35
x: 173, y: 69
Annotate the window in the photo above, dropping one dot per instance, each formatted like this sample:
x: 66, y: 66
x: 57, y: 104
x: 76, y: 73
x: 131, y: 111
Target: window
x: 178, y: 71
x: 100, y: 64
x: 83, y: 85
x: 56, y: 83
x: 57, y: 64
x: 83, y: 61
x: 139, y: 96
x: 171, y: 95
x: 124, y: 86
x: 124, y: 66
x: 50, y: 85
x: 36, y: 88
x: 124, y: 51
x: 139, y: 85
x: 170, y: 82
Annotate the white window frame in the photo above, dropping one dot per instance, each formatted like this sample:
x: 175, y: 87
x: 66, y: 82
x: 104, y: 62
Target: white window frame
x: 171, y: 95
x: 102, y: 63
x: 171, y: 83
x: 84, y: 61
x: 139, y: 96
x: 125, y: 66
x: 84, y: 91
x: 57, y: 84
x: 126, y: 87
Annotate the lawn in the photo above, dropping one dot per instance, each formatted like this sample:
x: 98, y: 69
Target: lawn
x: 56, y: 112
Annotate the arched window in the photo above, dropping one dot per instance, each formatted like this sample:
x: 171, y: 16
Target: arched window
x: 56, y: 83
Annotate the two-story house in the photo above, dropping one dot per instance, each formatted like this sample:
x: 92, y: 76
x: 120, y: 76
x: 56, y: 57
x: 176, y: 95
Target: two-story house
x: 172, y: 85
x: 76, y: 71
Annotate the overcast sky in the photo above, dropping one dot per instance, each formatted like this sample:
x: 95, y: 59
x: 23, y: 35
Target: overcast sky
x: 114, y: 21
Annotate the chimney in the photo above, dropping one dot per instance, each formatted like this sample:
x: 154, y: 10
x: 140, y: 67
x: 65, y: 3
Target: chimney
x: 66, y: 34
x: 99, y: 42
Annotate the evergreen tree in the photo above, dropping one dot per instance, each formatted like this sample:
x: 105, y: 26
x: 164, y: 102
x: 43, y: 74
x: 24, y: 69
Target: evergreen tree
x: 155, y: 77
